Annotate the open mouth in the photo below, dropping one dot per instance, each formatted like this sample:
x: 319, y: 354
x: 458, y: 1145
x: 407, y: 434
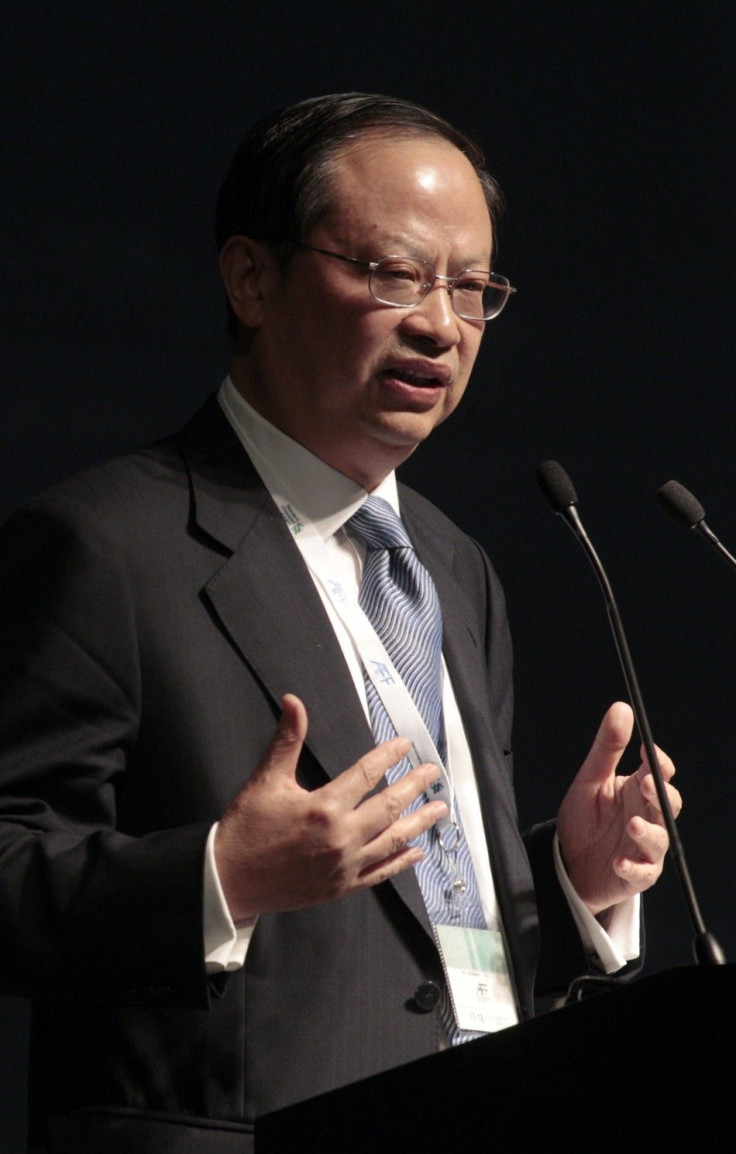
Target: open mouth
x: 416, y: 380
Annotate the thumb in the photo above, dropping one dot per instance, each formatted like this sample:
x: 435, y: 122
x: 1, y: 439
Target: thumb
x: 608, y: 745
x: 285, y: 747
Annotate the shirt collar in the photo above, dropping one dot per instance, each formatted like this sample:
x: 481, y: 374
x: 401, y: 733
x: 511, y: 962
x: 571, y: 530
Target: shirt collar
x: 321, y: 494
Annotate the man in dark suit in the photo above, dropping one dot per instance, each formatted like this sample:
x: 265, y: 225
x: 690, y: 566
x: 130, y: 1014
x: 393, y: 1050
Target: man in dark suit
x: 209, y: 887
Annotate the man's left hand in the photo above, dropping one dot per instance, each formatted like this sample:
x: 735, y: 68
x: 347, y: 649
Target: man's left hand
x: 611, y: 830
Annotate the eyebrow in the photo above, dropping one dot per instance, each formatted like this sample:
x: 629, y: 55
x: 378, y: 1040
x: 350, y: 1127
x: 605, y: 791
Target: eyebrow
x: 482, y: 263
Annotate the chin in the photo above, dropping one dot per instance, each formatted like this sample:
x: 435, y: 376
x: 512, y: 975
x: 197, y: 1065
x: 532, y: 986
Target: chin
x: 405, y: 430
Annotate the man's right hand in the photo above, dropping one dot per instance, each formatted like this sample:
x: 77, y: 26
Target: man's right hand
x: 281, y: 847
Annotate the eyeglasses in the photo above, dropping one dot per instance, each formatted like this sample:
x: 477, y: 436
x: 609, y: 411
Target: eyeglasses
x: 403, y: 282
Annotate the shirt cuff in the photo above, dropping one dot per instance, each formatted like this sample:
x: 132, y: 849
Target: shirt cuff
x: 225, y: 943
x: 610, y: 948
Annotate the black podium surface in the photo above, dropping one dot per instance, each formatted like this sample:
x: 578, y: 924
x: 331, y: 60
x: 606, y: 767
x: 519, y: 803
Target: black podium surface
x: 650, y: 1066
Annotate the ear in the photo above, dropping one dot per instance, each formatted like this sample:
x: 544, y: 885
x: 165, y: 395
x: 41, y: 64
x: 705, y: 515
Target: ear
x: 246, y: 267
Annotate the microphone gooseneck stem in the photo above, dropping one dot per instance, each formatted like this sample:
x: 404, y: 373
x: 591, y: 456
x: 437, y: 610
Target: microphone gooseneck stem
x: 706, y: 948
x: 709, y: 536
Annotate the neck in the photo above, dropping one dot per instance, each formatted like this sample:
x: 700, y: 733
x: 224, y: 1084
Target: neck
x: 366, y: 468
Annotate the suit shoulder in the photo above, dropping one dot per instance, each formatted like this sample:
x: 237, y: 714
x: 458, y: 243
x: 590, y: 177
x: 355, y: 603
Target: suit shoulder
x: 424, y: 512
x: 122, y: 488
x: 109, y: 511
x: 433, y: 523
x: 161, y: 467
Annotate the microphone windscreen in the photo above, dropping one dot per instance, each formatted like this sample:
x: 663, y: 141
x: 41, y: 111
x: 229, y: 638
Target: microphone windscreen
x: 676, y: 500
x: 556, y: 486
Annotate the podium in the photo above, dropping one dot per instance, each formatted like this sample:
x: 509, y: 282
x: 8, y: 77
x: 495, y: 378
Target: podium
x: 647, y: 1067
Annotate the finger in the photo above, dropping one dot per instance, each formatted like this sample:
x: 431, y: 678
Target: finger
x: 642, y: 871
x: 392, y: 851
x: 665, y: 762
x: 382, y: 809
x: 284, y: 750
x: 651, y: 839
x: 352, y: 785
x: 637, y: 876
x: 390, y: 839
x: 388, y: 867
x: 610, y: 741
x: 649, y: 793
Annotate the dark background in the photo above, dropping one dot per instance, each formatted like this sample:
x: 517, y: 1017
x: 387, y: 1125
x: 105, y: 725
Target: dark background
x: 610, y: 128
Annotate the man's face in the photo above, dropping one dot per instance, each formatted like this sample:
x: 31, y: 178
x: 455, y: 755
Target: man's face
x: 359, y: 383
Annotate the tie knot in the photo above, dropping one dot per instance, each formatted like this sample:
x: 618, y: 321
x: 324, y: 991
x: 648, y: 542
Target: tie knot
x: 377, y: 525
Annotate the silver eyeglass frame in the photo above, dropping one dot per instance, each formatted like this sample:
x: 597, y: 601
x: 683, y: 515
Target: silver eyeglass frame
x: 500, y: 282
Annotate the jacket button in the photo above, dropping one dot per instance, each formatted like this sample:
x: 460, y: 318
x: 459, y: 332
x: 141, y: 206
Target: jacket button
x: 427, y: 996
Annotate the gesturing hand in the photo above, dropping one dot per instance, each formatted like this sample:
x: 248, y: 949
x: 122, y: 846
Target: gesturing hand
x: 281, y: 847
x: 611, y: 828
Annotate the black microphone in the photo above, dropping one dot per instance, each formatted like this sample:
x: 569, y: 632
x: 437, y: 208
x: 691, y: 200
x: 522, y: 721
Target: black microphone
x: 560, y: 492
x: 676, y: 500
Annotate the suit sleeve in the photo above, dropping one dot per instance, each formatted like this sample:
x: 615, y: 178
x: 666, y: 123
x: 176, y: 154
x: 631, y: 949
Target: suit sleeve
x: 87, y: 911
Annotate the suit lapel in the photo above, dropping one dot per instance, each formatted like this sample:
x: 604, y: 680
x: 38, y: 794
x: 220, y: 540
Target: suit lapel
x: 263, y: 596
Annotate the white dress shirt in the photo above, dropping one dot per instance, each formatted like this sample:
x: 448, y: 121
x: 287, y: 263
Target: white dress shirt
x: 328, y: 499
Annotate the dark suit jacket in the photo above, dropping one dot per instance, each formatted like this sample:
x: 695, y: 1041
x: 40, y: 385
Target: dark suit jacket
x: 155, y: 610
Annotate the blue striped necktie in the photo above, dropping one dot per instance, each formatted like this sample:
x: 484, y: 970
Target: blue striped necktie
x: 399, y: 598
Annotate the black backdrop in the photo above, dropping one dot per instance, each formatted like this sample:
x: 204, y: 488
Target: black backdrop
x: 610, y: 128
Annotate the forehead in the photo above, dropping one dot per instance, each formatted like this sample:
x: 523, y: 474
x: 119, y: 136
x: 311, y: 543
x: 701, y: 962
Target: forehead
x: 409, y: 186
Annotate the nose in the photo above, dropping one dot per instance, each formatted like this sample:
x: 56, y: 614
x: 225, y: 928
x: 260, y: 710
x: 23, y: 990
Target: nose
x: 434, y: 318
